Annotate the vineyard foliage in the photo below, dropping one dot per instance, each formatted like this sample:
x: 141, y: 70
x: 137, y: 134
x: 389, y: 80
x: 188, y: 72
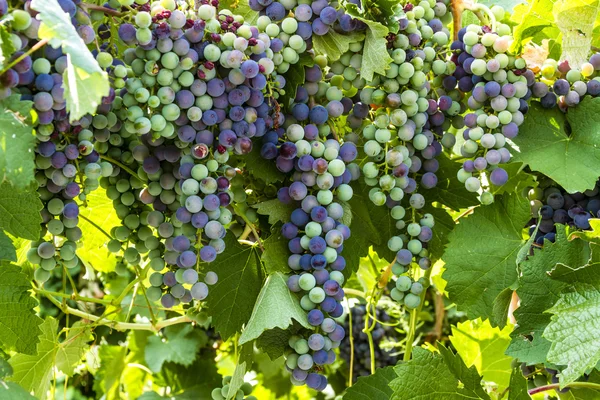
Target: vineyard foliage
x: 299, y: 199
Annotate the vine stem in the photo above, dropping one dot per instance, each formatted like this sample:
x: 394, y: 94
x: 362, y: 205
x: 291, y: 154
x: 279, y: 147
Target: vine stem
x: 414, y: 316
x: 105, y: 10
x: 122, y: 166
x: 554, y: 386
x: 351, y: 337
x: 33, y: 49
x: 251, y: 225
x: 73, y: 296
x: 356, y: 293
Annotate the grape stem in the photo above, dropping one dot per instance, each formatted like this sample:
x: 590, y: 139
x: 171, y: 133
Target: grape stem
x: 251, y: 225
x: 105, y: 10
x: 33, y: 49
x: 73, y: 297
x: 414, y: 316
x: 356, y: 293
x: 554, y: 386
x: 351, y: 337
x: 123, y: 167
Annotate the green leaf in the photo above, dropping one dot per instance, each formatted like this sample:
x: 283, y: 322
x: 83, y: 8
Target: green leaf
x: 7, y: 248
x: 275, y: 256
x: 538, y: 292
x: 108, y: 377
x: 373, y: 386
x: 481, y: 345
x: 333, y: 44
x: 517, y: 179
x: 232, y: 298
x: 564, y: 148
x: 101, y: 212
x: 276, y: 210
x: 431, y: 376
x: 481, y: 255
x: 34, y: 372
x: 518, y: 386
x: 574, y: 332
x: 240, y: 7
x: 69, y: 352
x: 444, y: 224
x: 261, y: 168
x: 274, y: 376
x: 179, y: 345
x: 244, y: 363
x: 575, y: 19
x: 7, y: 48
x: 450, y: 191
x: 275, y: 307
x: 19, y: 326
x: 531, y: 19
x: 12, y: 391
x: 375, y: 54
x: 20, y: 212
x: 583, y: 393
x: 17, y: 142
x: 186, y: 382
x: 367, y: 273
x: 274, y: 342
x: 85, y: 83
x: 592, y: 236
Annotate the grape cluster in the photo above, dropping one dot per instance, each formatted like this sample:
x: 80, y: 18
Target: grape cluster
x: 497, y: 85
x: 362, y: 353
x: 553, y: 205
x: 244, y: 393
x: 561, y: 85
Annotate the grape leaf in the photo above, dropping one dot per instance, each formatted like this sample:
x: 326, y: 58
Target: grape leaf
x: 101, y: 212
x: 334, y: 45
x: 368, y: 270
x: 275, y: 256
x: 574, y: 332
x: 431, y: 376
x: 275, y: 307
x: 480, y: 345
x: 575, y: 19
x: 18, y: 322
x: 531, y: 18
x: 274, y: 342
x: 518, y: 386
x: 373, y: 386
x: 7, y: 48
x: 593, y: 235
x: 179, y: 345
x: 20, y: 212
x: 34, y: 372
x: 276, y: 210
x: 444, y: 224
x: 242, y: 8
x: 564, y: 148
x: 375, y: 58
x: 7, y: 248
x: 477, y: 272
x: 261, y: 168
x: 244, y: 363
x: 17, y: 142
x: 12, y: 391
x: 108, y: 377
x: 538, y: 292
x: 274, y: 374
x: 70, y: 351
x: 517, y: 179
x: 449, y: 191
x: 85, y: 83
x: 186, y: 382
x: 232, y: 298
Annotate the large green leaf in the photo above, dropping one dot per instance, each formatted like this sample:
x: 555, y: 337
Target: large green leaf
x: 70, y: 351
x: 276, y: 210
x: 373, y: 386
x: 16, y: 142
x: 480, y: 345
x: 481, y: 256
x: 7, y: 248
x: 20, y: 212
x: 179, y: 345
x: 85, y: 83
x: 108, y: 377
x: 375, y: 58
x: 7, y: 48
x: 275, y: 256
x: 12, y: 391
x: 275, y: 307
x: 101, y: 212
x: 531, y: 19
x: 333, y: 44
x: 574, y: 331
x: 538, y: 292
x: 518, y: 386
x: 19, y: 326
x: 231, y: 299
x: 564, y: 148
x: 575, y: 19
x: 261, y: 168
x: 35, y: 372
x: 432, y: 376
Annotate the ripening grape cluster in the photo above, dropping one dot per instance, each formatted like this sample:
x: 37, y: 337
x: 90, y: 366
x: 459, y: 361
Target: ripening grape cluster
x: 222, y: 393
x: 561, y: 85
x: 380, y: 334
x: 496, y: 83
x: 553, y: 205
